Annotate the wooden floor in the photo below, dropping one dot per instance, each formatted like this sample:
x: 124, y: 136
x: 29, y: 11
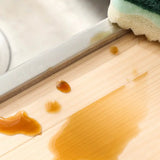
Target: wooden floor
x: 91, y: 78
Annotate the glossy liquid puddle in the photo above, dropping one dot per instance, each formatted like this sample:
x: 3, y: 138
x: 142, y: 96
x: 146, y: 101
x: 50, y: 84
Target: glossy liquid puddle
x: 102, y: 130
x: 20, y: 123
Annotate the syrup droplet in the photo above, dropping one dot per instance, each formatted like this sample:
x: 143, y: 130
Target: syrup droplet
x: 114, y: 50
x: 63, y: 86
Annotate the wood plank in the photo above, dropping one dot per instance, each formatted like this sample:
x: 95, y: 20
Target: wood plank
x: 88, y: 78
x: 146, y: 142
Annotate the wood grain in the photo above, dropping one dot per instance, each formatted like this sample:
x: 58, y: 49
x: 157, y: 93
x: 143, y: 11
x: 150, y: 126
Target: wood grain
x: 90, y: 78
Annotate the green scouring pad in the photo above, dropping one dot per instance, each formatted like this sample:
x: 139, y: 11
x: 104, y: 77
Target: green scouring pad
x: 142, y: 16
x: 151, y: 5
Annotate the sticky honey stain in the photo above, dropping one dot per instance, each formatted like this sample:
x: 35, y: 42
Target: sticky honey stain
x: 52, y: 107
x: 103, y: 129
x: 99, y: 36
x: 63, y: 86
x: 20, y: 123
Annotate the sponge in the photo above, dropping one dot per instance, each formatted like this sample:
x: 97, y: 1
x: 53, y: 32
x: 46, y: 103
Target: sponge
x: 142, y: 16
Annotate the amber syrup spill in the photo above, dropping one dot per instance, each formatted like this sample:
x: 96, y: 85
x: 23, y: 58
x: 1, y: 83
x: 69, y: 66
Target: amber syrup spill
x: 63, y: 86
x: 53, y: 107
x: 99, y: 36
x: 114, y: 50
x: 20, y: 123
x: 102, y: 130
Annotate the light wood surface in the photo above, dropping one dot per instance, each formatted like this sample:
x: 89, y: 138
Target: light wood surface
x: 91, y: 78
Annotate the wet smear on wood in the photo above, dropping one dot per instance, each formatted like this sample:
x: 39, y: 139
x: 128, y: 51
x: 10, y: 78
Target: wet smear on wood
x: 63, y: 86
x: 99, y: 36
x: 135, y: 72
x: 140, y: 77
x: 52, y: 107
x: 20, y: 123
x: 103, y: 129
